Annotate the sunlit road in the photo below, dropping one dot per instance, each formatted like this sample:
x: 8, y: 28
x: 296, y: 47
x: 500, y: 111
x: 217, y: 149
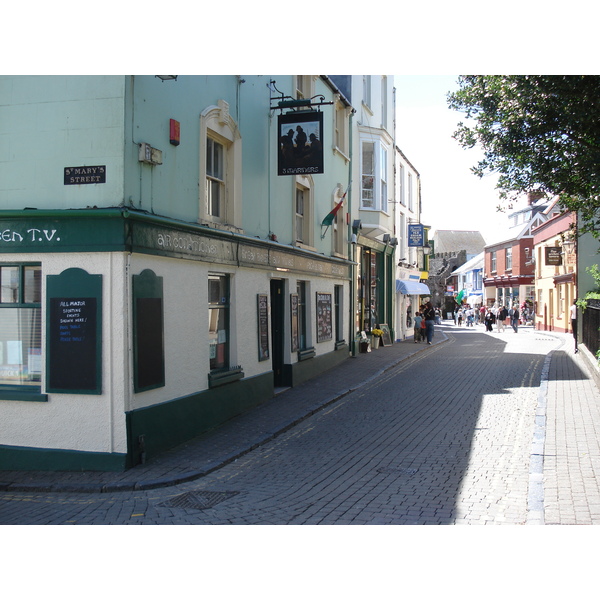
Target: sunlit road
x: 443, y: 438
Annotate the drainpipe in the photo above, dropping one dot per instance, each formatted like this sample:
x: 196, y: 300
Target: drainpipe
x: 351, y: 248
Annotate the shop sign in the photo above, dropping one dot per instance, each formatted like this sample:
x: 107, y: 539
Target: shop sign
x: 300, y: 143
x: 553, y: 255
x: 416, y: 236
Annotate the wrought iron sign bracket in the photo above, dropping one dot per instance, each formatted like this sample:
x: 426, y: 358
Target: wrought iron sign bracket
x: 293, y: 104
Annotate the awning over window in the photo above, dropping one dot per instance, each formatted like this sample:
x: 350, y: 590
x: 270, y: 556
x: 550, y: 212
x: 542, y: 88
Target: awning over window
x: 412, y: 288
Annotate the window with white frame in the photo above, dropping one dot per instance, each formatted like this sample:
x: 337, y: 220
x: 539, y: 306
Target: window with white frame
x: 20, y: 326
x: 383, y: 173
x: 304, y: 86
x: 493, y: 265
x: 303, y: 203
x: 374, y: 175
x: 384, y: 101
x: 508, y: 259
x: 340, y: 127
x: 215, y: 178
x: 338, y: 224
x: 410, y: 192
x: 367, y: 90
x: 220, y: 167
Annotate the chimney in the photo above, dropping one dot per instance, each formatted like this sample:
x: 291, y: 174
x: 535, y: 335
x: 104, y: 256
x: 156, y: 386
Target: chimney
x: 534, y: 196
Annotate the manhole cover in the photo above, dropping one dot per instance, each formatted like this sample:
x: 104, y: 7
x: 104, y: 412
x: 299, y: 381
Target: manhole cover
x: 396, y: 471
x: 197, y: 500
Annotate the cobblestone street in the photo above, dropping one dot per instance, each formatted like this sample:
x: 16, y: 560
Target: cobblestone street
x: 444, y: 437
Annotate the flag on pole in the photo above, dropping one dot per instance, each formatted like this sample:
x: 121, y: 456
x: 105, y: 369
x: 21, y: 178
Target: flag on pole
x: 328, y: 220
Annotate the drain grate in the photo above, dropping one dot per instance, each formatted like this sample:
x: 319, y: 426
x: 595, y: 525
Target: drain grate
x: 197, y: 500
x: 396, y: 471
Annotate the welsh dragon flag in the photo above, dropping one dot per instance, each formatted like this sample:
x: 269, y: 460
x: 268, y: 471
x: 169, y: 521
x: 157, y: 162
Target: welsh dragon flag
x: 328, y: 220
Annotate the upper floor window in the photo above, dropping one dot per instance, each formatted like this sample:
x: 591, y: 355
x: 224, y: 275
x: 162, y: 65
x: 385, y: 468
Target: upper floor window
x: 220, y: 167
x: 384, y: 101
x: 493, y: 265
x: 215, y: 177
x: 340, y: 127
x: 374, y: 175
x: 411, y: 203
x: 367, y: 90
x: 508, y: 259
x: 21, y: 325
x: 303, y: 210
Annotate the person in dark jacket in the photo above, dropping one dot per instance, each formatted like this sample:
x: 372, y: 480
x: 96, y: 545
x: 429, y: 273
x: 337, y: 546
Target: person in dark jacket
x: 429, y: 316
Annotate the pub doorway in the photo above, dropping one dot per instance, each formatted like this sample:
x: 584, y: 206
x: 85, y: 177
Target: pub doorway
x: 277, y: 330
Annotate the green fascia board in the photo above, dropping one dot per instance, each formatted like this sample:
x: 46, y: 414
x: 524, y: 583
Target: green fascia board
x: 121, y: 229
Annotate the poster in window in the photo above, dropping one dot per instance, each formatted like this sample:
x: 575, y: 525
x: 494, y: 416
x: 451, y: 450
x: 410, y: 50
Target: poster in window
x: 294, y: 322
x: 324, y: 321
x: 300, y: 143
x: 263, y: 327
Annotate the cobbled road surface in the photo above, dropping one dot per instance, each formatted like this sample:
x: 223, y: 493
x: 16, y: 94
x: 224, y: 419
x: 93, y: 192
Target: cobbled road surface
x: 442, y: 438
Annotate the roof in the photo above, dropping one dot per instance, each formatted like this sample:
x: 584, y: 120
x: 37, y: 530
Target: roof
x: 475, y: 263
x: 451, y: 240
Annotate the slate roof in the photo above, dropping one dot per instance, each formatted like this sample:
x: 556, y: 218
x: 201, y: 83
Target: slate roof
x: 452, y: 240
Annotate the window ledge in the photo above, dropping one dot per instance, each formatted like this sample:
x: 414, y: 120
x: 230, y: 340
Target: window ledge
x: 340, y: 344
x: 225, y: 376
x: 306, y: 354
x: 18, y: 395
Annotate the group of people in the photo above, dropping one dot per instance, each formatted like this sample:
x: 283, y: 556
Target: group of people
x: 490, y: 316
x: 500, y: 316
x: 424, y: 322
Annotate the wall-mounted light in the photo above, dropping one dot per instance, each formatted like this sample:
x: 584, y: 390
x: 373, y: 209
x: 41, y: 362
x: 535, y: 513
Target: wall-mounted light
x: 426, y: 249
x: 394, y: 241
x: 386, y: 238
x: 356, y: 225
x: 167, y: 77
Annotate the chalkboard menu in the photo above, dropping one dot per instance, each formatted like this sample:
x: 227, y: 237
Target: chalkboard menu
x: 73, y: 332
x: 324, y: 321
x: 72, y: 343
x: 386, y: 338
x: 263, y: 327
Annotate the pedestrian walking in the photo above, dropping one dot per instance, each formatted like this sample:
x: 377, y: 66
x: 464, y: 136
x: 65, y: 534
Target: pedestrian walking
x: 489, y: 320
x: 501, y: 319
x: 574, y: 321
x: 513, y: 313
x: 459, y: 317
x: 429, y: 316
x: 417, y: 329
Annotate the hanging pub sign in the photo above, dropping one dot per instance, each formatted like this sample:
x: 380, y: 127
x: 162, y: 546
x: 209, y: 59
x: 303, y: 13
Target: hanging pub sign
x: 553, y: 255
x: 416, y: 236
x: 300, y: 143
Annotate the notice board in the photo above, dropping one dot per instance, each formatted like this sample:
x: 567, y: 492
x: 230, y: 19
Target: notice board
x: 73, y: 329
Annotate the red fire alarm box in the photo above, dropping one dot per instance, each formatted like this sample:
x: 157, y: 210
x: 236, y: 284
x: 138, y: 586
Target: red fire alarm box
x: 174, y: 134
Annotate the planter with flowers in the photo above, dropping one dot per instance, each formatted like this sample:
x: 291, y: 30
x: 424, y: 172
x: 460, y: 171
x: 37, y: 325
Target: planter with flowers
x: 375, y: 338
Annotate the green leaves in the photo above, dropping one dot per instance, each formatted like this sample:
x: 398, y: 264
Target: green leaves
x: 537, y: 132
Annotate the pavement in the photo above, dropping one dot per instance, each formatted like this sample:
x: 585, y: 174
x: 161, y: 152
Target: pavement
x: 564, y: 479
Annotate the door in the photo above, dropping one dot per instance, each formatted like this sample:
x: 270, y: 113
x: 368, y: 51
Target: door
x: 277, y: 312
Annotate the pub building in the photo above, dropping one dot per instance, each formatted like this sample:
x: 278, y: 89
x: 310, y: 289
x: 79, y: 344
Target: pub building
x: 158, y: 279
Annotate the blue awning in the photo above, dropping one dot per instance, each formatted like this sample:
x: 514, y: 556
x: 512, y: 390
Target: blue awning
x: 412, y: 288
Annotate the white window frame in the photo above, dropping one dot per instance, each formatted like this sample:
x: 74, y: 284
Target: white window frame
x: 305, y: 184
x: 216, y: 124
x: 380, y: 174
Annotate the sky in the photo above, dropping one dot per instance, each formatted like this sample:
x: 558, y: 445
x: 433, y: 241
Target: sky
x: 452, y: 196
